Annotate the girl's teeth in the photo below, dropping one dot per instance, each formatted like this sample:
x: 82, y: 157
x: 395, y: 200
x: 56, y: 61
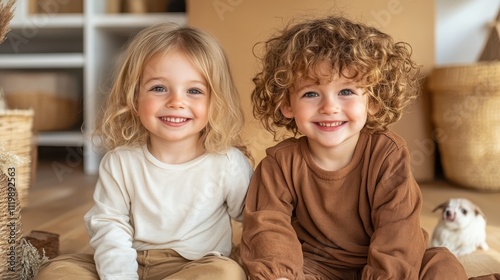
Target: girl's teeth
x: 330, y: 124
x: 174, y: 120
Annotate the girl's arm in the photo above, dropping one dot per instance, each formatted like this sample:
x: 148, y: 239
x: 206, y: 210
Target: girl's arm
x: 270, y: 248
x: 108, y: 224
x: 239, y: 171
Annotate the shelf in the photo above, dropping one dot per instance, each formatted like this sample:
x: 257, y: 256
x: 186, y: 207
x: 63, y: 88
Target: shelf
x: 24, y: 61
x: 42, y: 21
x: 87, y: 44
x: 127, y: 21
x: 60, y: 138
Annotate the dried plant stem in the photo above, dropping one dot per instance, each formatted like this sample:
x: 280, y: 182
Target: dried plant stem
x: 6, y: 14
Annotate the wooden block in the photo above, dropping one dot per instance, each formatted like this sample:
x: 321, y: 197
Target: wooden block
x: 45, y: 241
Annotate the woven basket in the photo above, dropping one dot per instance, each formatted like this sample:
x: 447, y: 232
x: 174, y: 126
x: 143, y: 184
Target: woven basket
x: 16, y: 136
x: 466, y: 113
x: 51, y: 112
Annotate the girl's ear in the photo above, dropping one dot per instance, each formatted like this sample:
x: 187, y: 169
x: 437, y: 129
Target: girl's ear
x: 286, y: 110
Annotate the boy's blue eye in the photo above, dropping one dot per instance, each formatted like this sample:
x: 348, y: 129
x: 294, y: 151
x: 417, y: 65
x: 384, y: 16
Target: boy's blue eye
x: 310, y: 94
x: 346, y: 92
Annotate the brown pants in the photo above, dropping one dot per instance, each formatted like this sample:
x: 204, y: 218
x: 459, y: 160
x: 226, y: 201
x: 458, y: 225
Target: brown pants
x: 153, y: 265
x: 437, y: 263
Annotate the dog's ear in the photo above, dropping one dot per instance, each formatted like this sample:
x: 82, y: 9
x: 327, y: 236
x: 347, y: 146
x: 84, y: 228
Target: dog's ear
x: 478, y: 211
x: 441, y: 206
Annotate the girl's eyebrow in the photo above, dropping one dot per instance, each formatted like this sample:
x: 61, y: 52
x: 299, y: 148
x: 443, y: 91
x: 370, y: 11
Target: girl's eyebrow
x: 201, y: 82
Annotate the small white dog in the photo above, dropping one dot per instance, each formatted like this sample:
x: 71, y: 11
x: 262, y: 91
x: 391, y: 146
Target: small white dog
x: 462, y: 227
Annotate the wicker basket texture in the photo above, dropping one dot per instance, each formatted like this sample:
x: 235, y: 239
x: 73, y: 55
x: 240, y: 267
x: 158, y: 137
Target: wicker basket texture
x: 466, y: 113
x: 52, y: 112
x: 54, y: 97
x: 16, y: 136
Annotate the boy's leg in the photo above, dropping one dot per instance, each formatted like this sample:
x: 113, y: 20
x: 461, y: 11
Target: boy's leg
x: 314, y: 270
x: 69, y: 267
x: 495, y: 276
x: 440, y: 263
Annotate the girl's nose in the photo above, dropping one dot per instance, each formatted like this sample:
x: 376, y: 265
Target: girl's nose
x: 329, y: 105
x: 175, y: 100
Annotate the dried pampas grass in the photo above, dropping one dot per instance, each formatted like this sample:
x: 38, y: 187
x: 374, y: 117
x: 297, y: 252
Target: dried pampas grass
x: 6, y: 14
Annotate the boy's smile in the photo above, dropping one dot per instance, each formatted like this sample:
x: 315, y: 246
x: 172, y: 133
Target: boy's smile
x: 331, y: 114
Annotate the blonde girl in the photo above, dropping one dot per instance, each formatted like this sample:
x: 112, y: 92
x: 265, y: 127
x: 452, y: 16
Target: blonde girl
x: 176, y: 170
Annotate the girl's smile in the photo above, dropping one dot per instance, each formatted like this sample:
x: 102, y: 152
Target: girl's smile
x: 173, y: 105
x: 174, y: 121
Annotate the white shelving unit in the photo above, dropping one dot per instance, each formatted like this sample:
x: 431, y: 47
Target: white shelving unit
x: 87, y: 44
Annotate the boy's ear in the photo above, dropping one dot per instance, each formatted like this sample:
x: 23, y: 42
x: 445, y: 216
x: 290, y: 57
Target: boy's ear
x: 286, y: 110
x: 373, y: 109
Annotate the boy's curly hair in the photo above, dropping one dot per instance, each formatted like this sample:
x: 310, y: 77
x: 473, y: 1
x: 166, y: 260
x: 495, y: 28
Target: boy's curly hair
x: 384, y: 68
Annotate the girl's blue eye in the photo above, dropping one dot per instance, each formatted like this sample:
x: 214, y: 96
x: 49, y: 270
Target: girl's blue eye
x: 346, y: 92
x: 158, y: 89
x: 310, y: 94
x: 194, y: 91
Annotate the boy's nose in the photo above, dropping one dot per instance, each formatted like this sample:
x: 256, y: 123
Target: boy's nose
x: 329, y: 106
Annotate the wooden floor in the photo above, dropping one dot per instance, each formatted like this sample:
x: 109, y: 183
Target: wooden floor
x: 58, y: 200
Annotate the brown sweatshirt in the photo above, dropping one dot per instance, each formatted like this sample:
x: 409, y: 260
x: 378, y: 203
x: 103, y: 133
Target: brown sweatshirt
x: 364, y: 217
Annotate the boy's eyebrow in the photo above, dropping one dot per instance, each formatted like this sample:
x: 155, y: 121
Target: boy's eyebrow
x: 301, y: 84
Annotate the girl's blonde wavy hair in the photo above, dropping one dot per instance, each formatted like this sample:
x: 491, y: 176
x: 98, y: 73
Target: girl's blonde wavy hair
x: 119, y: 124
x: 384, y: 68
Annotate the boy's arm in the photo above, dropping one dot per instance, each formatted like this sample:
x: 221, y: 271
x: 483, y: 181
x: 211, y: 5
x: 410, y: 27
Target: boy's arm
x: 270, y: 248
x: 398, y: 242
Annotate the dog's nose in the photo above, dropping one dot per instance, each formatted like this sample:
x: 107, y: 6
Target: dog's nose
x: 449, y: 215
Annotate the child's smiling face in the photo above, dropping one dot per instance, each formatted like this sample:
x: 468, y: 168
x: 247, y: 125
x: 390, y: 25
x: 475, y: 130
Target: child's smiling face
x: 173, y: 99
x: 330, y: 113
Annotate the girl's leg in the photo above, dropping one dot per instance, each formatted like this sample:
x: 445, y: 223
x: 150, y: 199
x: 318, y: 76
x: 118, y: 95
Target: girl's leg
x: 69, y: 267
x: 211, y: 267
x: 168, y: 264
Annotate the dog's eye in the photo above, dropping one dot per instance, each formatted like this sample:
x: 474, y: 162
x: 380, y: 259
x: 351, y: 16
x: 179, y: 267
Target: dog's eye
x: 464, y: 211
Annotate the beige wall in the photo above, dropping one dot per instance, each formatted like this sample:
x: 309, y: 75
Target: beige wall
x: 240, y: 24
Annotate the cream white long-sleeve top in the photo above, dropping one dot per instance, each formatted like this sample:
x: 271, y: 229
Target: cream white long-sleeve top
x: 142, y: 204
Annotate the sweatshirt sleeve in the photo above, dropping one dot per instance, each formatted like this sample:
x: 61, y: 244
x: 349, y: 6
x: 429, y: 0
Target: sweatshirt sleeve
x: 239, y: 173
x: 398, y: 242
x: 108, y: 224
x: 270, y: 248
